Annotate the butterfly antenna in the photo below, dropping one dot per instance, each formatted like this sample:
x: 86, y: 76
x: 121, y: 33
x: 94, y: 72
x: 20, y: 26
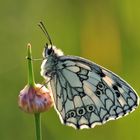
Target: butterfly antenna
x: 43, y: 28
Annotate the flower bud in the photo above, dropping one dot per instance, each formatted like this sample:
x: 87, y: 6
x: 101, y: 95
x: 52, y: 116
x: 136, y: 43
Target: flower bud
x: 35, y: 99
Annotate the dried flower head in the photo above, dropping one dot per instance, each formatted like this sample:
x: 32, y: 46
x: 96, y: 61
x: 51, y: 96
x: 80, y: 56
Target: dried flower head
x: 35, y: 99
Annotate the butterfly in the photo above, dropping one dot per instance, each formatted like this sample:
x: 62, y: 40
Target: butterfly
x: 85, y: 94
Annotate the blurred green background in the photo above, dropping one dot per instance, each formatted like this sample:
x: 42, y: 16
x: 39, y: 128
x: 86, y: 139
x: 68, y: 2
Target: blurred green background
x: 104, y: 31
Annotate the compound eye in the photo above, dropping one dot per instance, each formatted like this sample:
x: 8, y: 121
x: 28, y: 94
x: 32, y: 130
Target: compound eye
x: 49, y: 51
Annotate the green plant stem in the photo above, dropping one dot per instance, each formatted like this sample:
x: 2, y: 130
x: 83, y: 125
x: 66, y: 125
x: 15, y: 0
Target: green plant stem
x: 38, y: 126
x: 31, y: 80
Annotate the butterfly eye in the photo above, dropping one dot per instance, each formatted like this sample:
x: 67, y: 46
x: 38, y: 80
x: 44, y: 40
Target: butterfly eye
x: 49, y: 51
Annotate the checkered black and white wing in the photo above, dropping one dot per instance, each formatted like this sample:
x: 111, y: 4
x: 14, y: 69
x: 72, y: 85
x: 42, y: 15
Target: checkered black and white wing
x: 86, y: 94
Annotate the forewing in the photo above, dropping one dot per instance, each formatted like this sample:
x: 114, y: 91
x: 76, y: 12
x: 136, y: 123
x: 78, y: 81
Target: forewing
x: 86, y: 94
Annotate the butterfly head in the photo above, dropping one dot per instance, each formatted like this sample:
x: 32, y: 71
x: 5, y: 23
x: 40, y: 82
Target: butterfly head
x: 50, y: 50
x: 50, y: 55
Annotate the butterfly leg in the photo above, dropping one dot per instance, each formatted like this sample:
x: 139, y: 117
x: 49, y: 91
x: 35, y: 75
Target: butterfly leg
x: 34, y: 59
x: 44, y: 83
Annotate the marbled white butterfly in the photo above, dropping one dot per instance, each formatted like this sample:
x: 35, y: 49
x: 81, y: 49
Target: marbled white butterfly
x: 84, y: 93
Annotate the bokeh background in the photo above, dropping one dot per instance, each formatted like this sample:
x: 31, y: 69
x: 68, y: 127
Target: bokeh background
x: 104, y: 31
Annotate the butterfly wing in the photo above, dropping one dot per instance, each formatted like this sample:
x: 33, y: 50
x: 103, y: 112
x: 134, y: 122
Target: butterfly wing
x: 86, y: 94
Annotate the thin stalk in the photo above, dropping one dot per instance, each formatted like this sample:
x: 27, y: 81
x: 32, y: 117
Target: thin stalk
x: 31, y: 80
x: 38, y: 126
